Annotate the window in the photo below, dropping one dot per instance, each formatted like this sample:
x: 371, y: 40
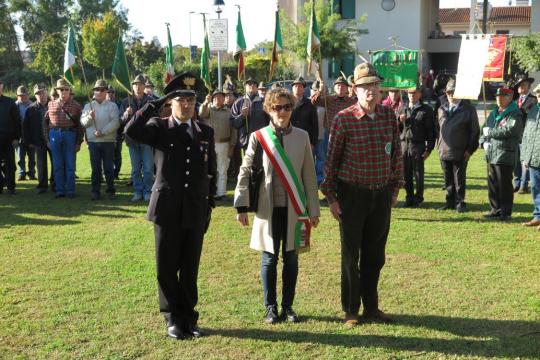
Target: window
x: 345, y: 64
x: 346, y: 8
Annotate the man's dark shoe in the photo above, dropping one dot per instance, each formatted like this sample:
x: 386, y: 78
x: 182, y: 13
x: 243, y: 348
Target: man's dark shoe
x: 377, y: 316
x: 446, y: 207
x: 21, y: 178
x: 408, y: 204
x: 176, y: 332
x: 218, y: 198
x: 492, y: 215
x: 194, y: 330
x: 505, y: 218
x: 58, y: 196
x: 287, y: 313
x: 11, y: 192
x: 110, y: 196
x: 461, y: 208
x: 32, y: 177
x: 351, y: 320
x: 41, y: 191
x: 271, y: 315
x: 95, y: 196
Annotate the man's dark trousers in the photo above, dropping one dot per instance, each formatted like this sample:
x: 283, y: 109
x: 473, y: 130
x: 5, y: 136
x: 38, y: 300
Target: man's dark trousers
x: 7, y: 165
x: 117, y: 157
x: 500, y: 189
x: 365, y: 222
x: 413, y: 168
x: 102, y: 157
x: 454, y: 181
x: 41, y: 161
x: 178, y: 252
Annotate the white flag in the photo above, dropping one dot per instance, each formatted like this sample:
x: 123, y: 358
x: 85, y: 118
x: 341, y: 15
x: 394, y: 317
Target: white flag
x: 473, y: 56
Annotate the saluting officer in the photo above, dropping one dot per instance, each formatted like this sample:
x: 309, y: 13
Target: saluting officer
x: 181, y: 200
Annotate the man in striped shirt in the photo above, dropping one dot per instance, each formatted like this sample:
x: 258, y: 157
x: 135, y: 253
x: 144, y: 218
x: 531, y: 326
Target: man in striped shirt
x: 363, y: 174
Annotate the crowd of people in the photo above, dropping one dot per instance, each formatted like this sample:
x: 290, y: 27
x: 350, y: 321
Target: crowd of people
x: 356, y: 147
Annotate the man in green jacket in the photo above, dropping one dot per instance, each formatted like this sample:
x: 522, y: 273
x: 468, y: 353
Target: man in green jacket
x: 500, y: 140
x: 530, y: 156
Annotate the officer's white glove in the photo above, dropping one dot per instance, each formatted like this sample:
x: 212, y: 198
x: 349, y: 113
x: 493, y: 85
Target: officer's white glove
x: 485, y: 131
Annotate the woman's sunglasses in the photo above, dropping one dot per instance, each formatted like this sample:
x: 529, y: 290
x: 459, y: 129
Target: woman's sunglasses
x: 278, y: 108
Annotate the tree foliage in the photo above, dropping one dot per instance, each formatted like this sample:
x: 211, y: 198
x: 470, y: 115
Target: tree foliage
x: 99, y: 38
x: 49, y: 54
x: 141, y: 54
x: 40, y: 17
x: 337, y: 36
x: 9, y: 55
x: 525, y: 51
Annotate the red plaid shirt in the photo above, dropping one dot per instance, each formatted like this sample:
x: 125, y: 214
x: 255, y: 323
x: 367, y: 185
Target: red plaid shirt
x: 333, y: 105
x: 363, y: 151
x: 56, y: 117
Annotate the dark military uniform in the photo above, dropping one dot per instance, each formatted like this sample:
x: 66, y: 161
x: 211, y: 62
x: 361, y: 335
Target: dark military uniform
x: 180, y: 204
x: 418, y: 136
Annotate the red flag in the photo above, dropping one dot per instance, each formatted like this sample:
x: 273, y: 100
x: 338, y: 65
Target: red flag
x: 494, y: 69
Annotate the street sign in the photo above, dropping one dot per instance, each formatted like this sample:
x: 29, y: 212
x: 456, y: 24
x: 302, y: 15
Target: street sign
x: 217, y: 34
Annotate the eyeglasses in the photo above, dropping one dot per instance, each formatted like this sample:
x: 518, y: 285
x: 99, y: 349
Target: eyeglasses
x: 278, y: 108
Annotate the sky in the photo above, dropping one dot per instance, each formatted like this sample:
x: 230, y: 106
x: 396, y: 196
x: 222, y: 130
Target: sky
x: 257, y: 18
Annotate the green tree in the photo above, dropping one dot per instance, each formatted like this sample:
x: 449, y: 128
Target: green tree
x: 525, y: 51
x: 49, y: 55
x: 337, y: 36
x: 40, y: 17
x: 99, y: 40
x: 9, y: 51
x: 141, y: 54
x: 98, y: 9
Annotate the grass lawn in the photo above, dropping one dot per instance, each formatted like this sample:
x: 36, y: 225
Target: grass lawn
x: 77, y: 280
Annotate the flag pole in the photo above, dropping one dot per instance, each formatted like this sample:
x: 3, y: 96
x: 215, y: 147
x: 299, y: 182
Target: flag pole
x: 79, y: 56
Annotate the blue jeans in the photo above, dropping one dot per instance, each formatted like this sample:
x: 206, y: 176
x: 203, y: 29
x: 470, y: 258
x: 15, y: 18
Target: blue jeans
x: 269, y: 263
x: 320, y: 157
x: 23, y: 150
x: 102, y: 157
x: 535, y: 190
x: 521, y: 175
x: 142, y: 168
x: 63, y: 153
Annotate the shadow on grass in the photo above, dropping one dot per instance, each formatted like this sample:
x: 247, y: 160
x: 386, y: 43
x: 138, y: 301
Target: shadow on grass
x: 29, y: 208
x: 496, y: 338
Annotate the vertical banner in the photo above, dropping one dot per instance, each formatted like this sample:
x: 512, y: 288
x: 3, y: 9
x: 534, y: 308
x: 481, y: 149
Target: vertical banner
x: 494, y: 69
x: 399, y: 68
x: 473, y: 56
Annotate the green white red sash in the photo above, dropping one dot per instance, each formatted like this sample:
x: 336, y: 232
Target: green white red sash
x: 289, y: 179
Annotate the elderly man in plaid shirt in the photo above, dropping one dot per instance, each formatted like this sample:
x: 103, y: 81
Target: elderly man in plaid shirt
x: 363, y: 175
x: 64, y: 134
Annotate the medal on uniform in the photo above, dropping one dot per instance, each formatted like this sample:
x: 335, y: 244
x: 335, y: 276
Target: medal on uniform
x: 388, y: 148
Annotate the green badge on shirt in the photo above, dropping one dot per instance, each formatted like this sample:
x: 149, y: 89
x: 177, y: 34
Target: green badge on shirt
x: 388, y: 148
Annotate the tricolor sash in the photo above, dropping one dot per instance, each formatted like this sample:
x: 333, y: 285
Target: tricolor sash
x: 285, y: 171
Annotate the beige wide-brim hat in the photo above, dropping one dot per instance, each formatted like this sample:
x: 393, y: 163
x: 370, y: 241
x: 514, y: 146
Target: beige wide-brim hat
x: 62, y: 84
x: 366, y: 74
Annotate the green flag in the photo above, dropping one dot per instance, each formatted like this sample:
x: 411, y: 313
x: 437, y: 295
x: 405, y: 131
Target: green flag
x: 205, y: 59
x: 120, y: 67
x: 399, y: 68
x: 240, y: 47
x: 69, y: 56
x: 169, y: 58
x: 313, y: 40
x: 277, y: 48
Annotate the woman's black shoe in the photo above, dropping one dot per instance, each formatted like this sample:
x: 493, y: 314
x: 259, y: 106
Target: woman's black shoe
x: 287, y: 313
x: 271, y: 316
